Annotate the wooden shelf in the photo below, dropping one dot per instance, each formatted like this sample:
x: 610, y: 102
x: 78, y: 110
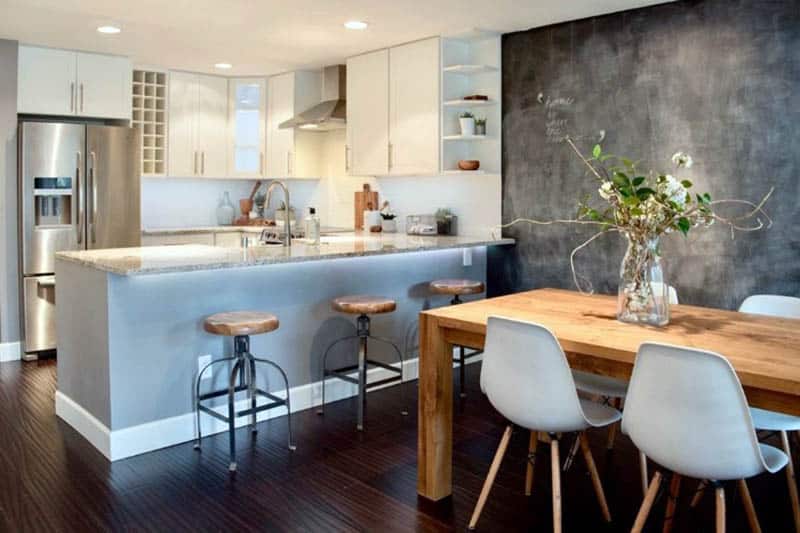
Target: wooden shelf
x: 149, y: 104
x: 470, y: 69
x: 469, y: 103
x: 465, y: 138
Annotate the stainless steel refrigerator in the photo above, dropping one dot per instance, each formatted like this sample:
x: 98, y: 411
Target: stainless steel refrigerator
x: 78, y: 190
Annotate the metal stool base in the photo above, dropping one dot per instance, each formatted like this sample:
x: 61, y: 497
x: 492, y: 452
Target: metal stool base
x: 343, y: 373
x: 244, y: 371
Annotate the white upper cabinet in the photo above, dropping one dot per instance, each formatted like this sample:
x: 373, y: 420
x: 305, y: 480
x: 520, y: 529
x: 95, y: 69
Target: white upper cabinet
x: 247, y: 103
x: 393, y: 111
x: 414, y: 108
x: 367, y: 150
x: 198, y: 119
x: 104, y: 86
x: 212, y: 126
x: 287, y: 95
x: 63, y: 82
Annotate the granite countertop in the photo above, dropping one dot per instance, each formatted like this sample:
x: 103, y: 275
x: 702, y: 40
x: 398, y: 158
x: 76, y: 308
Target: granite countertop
x: 189, y: 257
x: 231, y: 229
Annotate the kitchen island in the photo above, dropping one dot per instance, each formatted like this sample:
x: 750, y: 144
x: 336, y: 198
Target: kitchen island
x: 130, y: 335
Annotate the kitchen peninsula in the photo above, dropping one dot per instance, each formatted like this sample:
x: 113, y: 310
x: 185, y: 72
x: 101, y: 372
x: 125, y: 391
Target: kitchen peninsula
x: 129, y: 321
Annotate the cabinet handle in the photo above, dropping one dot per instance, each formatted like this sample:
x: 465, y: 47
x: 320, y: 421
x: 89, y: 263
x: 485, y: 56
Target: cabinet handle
x: 79, y: 190
x: 194, y: 163
x: 203, y: 163
x: 391, y: 158
x: 72, y: 99
x: 261, y: 163
x: 346, y: 158
x: 81, y: 98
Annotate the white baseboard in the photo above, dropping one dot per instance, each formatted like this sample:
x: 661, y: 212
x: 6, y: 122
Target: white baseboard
x: 10, y: 351
x: 84, y: 423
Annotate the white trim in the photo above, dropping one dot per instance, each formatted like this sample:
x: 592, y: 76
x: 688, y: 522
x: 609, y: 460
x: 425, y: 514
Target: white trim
x: 10, y: 351
x: 135, y: 440
x: 84, y: 423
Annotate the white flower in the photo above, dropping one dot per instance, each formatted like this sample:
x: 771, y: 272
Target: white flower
x: 606, y: 190
x: 673, y: 189
x: 681, y: 159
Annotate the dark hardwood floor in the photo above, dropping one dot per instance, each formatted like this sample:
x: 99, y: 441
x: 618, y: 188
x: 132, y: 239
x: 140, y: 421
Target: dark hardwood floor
x: 51, y: 479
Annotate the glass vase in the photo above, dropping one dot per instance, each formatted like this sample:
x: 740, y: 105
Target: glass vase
x: 643, y: 290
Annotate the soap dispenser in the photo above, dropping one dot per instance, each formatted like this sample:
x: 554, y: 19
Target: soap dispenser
x: 312, y: 225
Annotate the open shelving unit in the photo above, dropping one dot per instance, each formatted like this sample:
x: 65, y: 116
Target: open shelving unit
x: 149, y: 95
x: 471, y: 64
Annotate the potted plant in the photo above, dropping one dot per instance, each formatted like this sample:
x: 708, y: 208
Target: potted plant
x: 480, y: 126
x: 467, y: 122
x: 388, y: 222
x: 446, y: 222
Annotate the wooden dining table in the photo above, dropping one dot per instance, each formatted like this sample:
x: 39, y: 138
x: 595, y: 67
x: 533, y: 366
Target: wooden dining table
x: 764, y: 351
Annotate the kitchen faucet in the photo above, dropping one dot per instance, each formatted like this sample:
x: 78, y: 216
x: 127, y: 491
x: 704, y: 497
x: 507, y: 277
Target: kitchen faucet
x: 286, y: 213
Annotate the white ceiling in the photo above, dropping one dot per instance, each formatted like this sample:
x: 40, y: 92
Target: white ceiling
x: 269, y: 36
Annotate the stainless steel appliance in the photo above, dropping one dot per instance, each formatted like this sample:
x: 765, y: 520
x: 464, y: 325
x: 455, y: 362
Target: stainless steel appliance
x: 78, y: 190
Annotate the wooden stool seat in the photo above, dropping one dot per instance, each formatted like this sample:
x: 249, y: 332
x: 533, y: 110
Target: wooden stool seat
x: 363, y: 305
x: 236, y: 323
x: 457, y: 286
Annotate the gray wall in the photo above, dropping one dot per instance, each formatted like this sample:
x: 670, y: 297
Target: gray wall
x: 719, y: 79
x: 9, y: 282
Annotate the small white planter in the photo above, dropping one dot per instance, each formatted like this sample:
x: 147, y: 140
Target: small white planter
x: 389, y: 226
x: 467, y: 126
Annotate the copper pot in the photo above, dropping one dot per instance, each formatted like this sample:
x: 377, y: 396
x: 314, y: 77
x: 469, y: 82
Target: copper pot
x: 246, y: 205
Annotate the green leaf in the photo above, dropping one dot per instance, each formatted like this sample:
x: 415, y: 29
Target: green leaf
x: 620, y: 180
x: 684, y: 225
x: 707, y: 197
x: 605, y: 157
x: 638, y: 180
x: 627, y: 162
x: 597, y: 151
x: 644, y: 192
x: 686, y: 183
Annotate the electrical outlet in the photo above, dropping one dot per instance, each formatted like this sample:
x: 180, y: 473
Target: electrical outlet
x: 202, y: 361
x: 467, y: 253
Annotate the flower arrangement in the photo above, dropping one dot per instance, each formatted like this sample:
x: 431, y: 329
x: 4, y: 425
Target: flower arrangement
x: 643, y: 206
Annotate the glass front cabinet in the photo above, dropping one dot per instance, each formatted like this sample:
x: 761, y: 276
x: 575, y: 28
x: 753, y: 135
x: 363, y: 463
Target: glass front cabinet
x: 248, y: 126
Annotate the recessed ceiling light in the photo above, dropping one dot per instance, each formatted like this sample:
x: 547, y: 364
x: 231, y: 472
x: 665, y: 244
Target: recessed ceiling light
x: 108, y: 29
x: 355, y: 25
x: 223, y: 65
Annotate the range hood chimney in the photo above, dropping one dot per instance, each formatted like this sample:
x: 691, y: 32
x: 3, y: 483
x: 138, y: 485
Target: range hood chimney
x: 331, y: 113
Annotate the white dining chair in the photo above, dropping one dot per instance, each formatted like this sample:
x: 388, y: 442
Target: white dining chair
x: 687, y: 411
x: 763, y: 420
x: 613, y: 390
x: 527, y: 378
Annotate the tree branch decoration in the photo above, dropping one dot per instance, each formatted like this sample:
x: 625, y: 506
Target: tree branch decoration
x: 646, y: 205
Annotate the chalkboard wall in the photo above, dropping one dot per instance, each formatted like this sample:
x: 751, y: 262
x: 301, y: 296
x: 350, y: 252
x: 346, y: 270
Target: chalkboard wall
x: 719, y: 79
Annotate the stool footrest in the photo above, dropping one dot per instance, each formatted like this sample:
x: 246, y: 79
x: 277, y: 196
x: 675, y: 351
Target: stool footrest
x: 221, y: 392
x: 384, y: 381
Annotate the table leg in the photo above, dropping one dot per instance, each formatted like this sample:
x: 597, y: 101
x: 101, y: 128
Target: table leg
x: 435, y: 412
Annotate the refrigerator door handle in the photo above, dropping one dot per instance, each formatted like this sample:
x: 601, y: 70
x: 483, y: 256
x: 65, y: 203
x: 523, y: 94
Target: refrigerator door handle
x: 79, y: 190
x: 46, y: 282
x: 93, y: 186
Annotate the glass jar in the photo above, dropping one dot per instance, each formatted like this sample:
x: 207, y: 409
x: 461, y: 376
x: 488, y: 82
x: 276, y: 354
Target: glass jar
x: 225, y: 211
x: 643, y: 296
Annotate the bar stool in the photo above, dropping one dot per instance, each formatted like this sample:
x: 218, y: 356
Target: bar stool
x: 362, y: 306
x: 457, y: 288
x: 240, y: 325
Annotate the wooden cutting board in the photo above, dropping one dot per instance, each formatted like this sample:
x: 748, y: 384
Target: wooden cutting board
x: 364, y: 199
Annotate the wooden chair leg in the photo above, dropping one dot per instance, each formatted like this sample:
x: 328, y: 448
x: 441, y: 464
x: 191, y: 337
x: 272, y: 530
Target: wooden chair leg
x: 719, y: 496
x: 487, y: 485
x: 612, y: 429
x: 672, y: 500
x: 647, y: 504
x: 643, y: 472
x: 534, y: 441
x: 749, y: 509
x: 698, y: 493
x: 555, y: 467
x: 598, y: 486
x: 792, y: 482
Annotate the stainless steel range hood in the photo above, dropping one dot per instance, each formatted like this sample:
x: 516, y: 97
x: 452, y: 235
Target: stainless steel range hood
x: 331, y: 113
